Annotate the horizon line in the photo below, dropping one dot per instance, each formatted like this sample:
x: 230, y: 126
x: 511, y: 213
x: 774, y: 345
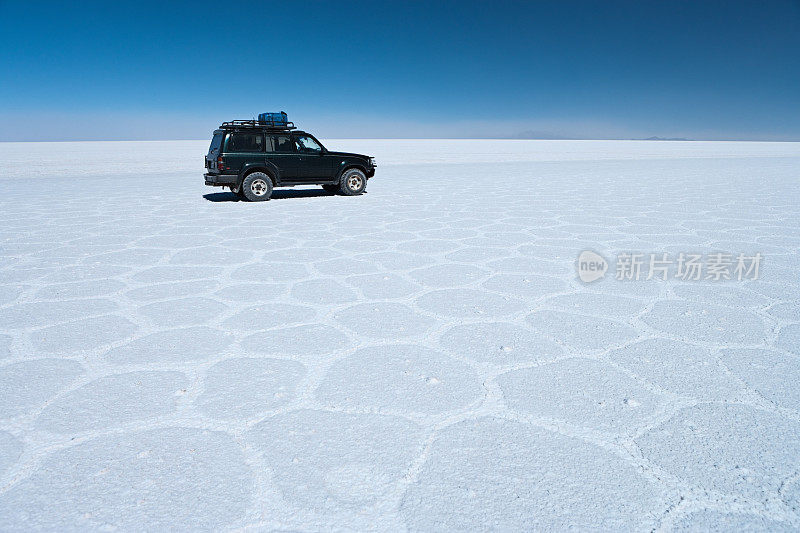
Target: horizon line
x: 649, y: 139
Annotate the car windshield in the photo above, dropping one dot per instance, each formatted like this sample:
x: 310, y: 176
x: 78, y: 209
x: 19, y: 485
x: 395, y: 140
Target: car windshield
x: 307, y: 144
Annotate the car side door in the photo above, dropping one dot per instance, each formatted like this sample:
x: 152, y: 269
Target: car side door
x: 315, y: 164
x: 285, y: 157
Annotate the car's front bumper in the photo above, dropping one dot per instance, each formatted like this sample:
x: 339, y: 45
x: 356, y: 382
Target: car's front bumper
x: 220, y: 180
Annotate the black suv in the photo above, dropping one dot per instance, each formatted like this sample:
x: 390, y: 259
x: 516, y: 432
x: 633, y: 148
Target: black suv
x: 253, y: 156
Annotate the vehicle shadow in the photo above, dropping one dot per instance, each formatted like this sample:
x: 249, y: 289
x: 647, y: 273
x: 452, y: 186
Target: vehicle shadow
x: 278, y: 194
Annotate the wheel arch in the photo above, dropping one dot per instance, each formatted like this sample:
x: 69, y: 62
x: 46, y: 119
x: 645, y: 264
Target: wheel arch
x: 272, y: 173
x: 348, y: 166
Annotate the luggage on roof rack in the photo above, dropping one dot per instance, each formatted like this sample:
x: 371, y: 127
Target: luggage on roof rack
x: 258, y: 124
x: 275, y: 120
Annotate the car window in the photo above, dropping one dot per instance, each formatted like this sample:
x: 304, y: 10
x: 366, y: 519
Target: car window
x: 307, y: 144
x: 244, y: 142
x: 283, y: 143
x: 216, y: 142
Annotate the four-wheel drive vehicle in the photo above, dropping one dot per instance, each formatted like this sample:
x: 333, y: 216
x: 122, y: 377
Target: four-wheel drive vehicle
x: 253, y: 156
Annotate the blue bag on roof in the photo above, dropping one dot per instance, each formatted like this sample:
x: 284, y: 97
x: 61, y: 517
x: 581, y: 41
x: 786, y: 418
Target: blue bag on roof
x: 274, y: 119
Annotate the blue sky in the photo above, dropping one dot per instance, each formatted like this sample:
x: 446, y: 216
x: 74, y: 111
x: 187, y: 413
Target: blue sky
x: 600, y: 69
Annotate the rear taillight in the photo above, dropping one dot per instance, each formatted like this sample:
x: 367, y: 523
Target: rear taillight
x: 220, y: 163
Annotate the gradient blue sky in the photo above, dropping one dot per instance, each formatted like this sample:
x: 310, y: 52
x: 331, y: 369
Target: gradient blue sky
x: 587, y: 69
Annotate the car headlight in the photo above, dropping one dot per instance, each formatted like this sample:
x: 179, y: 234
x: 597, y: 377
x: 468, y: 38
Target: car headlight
x: 372, y: 161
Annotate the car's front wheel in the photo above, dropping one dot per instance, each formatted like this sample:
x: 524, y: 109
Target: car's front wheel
x: 353, y: 182
x: 257, y: 187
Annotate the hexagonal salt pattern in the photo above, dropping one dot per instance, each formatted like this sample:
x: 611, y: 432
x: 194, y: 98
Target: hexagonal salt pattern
x: 136, y: 481
x: 28, y: 385
x: 244, y: 387
x: 581, y: 392
x: 716, y: 521
x: 400, y: 378
x: 491, y: 474
x: 730, y: 448
x: 113, y: 400
x: 772, y: 374
x: 680, y: 368
x: 420, y: 358
x: 333, y: 464
x: 708, y: 322
x: 499, y: 343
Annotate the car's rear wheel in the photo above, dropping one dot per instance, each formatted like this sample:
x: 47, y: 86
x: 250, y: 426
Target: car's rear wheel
x: 257, y: 187
x: 353, y: 182
x: 331, y: 188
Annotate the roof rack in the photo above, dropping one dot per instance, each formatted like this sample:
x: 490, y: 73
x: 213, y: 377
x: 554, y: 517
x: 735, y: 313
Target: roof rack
x: 269, y: 124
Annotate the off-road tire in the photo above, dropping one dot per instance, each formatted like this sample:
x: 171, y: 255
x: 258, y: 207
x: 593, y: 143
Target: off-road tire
x: 331, y: 188
x: 257, y: 187
x: 353, y: 182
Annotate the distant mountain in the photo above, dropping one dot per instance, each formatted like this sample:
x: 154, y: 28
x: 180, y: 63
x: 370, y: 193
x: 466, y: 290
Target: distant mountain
x: 664, y: 139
